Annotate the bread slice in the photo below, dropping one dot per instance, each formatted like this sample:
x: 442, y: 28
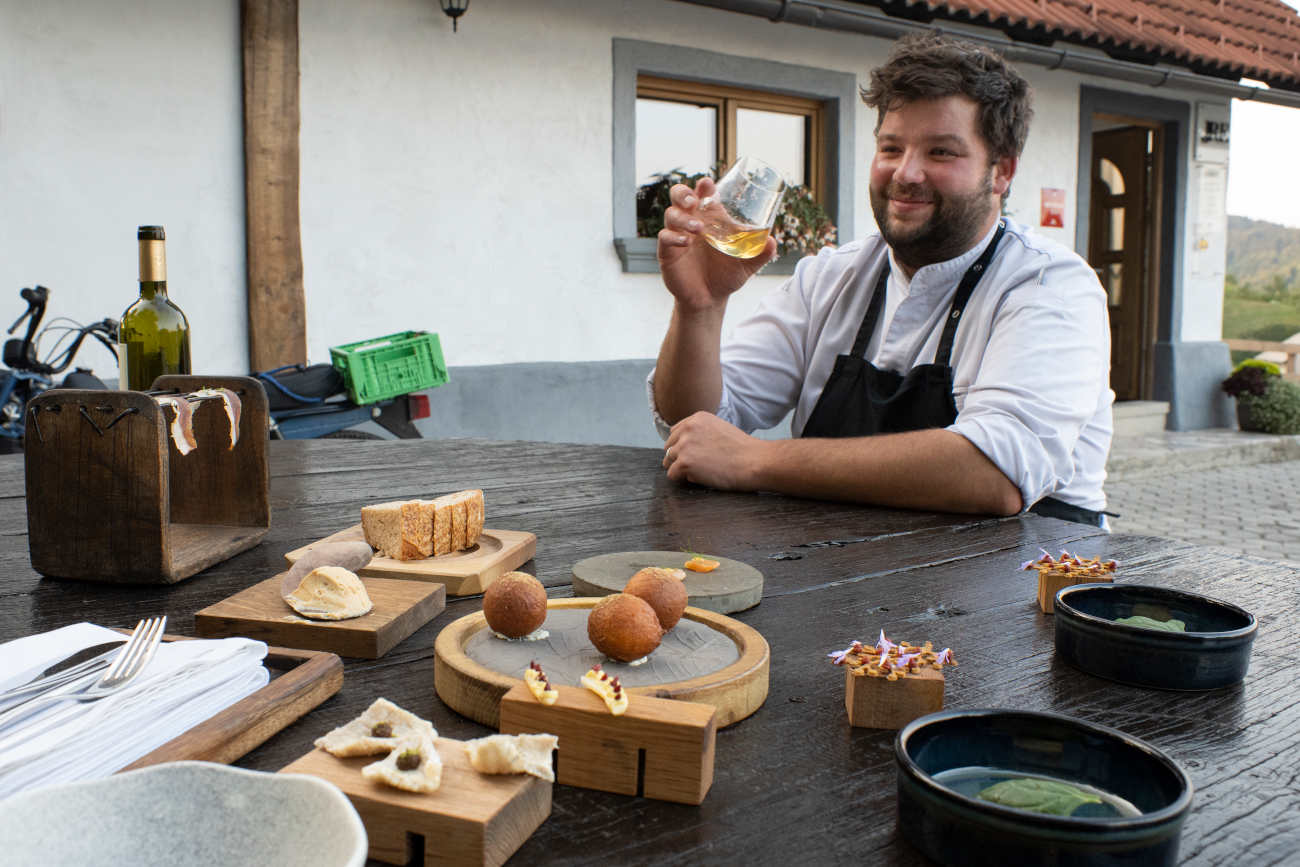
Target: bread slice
x: 400, y: 530
x: 458, y: 518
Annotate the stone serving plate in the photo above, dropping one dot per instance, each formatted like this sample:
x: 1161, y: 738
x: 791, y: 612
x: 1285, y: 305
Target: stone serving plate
x: 952, y: 828
x: 192, y: 813
x: 1213, y: 652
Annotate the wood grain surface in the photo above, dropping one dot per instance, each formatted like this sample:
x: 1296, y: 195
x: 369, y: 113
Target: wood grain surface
x: 471, y: 818
x: 400, y: 608
x: 794, y: 783
x: 463, y: 573
x: 735, y: 690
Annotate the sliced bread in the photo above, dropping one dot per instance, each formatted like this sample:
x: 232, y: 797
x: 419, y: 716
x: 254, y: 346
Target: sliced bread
x: 400, y: 530
x: 465, y: 509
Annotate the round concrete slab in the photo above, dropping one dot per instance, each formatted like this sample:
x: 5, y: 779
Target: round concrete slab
x: 733, y: 586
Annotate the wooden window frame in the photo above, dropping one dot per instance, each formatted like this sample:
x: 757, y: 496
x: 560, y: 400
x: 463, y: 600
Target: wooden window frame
x: 728, y: 100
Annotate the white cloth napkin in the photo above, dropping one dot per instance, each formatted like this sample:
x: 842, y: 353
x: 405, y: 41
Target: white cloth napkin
x: 184, y: 684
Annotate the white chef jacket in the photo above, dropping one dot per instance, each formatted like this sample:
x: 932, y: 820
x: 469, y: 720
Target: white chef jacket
x: 1030, y: 359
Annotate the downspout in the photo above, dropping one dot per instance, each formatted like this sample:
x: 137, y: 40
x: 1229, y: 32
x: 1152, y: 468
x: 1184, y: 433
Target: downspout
x: 833, y: 15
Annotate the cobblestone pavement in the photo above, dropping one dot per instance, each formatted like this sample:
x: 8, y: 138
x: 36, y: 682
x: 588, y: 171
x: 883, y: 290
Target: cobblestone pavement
x: 1245, y: 508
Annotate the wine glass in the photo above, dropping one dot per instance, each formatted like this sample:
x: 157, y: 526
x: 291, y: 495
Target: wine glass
x: 738, y: 217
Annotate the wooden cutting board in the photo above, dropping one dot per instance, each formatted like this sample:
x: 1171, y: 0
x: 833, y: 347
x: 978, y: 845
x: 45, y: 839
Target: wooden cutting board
x: 401, y: 607
x: 732, y: 587
x: 472, y: 818
x: 708, y: 658
x: 464, y: 573
x: 306, y: 678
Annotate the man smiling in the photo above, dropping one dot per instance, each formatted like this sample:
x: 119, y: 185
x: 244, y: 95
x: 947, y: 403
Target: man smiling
x: 952, y: 360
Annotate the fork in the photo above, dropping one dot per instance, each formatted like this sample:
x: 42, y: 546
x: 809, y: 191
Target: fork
x: 130, y: 661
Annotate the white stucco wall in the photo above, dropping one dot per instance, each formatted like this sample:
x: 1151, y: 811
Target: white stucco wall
x: 115, y: 115
x: 458, y: 182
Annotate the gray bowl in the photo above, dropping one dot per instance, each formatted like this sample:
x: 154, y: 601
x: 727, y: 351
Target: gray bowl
x: 958, y: 829
x: 184, y: 813
x: 1212, y: 653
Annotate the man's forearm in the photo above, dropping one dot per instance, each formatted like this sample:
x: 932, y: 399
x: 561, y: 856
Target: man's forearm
x: 688, y: 374
x: 928, y: 469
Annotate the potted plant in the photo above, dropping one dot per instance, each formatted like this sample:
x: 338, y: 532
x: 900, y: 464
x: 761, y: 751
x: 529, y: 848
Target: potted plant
x: 802, y: 226
x: 1266, y: 403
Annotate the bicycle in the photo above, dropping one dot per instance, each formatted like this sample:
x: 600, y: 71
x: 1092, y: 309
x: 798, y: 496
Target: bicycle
x: 27, y: 375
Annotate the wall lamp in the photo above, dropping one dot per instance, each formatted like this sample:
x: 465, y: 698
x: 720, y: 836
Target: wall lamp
x: 453, y: 9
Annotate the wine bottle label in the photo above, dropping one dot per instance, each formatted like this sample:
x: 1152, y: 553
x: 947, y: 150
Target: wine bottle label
x: 153, y: 262
x: 123, y: 383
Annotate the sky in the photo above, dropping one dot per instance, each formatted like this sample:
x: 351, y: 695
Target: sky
x: 1263, y: 172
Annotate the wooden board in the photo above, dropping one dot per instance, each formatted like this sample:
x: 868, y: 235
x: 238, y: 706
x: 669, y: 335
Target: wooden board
x: 474, y: 690
x: 309, y: 677
x: 464, y: 573
x: 878, y: 703
x: 657, y: 748
x: 733, y: 586
x: 400, y: 608
x: 472, y: 818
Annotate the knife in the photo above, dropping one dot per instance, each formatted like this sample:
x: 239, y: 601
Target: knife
x: 67, y: 669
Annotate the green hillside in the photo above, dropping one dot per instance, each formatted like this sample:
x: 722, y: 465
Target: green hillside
x: 1261, y: 294
x: 1263, y: 256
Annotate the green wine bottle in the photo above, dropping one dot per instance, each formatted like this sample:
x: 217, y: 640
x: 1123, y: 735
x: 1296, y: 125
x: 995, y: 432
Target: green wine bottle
x: 154, y: 336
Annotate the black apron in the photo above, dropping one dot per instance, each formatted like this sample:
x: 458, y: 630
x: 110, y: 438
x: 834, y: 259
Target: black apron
x: 860, y: 399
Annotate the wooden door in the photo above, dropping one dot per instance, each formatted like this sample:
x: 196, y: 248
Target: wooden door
x: 1120, y: 239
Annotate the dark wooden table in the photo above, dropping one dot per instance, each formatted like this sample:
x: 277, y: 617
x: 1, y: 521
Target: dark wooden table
x: 794, y: 783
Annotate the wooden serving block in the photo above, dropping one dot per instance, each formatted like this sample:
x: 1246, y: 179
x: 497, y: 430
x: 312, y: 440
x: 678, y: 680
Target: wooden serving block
x: 308, y: 678
x: 708, y: 658
x: 464, y: 572
x: 111, y: 499
x: 471, y: 818
x: 400, y: 608
x: 732, y: 587
x: 657, y: 748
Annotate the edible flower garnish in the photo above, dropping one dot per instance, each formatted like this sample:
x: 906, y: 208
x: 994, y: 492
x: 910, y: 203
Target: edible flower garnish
x: 891, y: 660
x: 1070, y: 565
x: 837, y: 656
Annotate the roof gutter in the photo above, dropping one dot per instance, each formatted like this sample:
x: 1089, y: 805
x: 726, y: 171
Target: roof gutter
x: 833, y: 15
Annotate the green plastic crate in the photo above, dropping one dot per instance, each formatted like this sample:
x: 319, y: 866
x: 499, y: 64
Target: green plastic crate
x: 385, y: 367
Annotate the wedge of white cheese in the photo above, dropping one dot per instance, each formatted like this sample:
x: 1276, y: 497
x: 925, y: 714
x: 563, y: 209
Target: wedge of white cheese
x: 513, y: 754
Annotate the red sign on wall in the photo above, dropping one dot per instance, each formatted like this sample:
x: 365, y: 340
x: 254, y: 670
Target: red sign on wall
x: 1053, y: 208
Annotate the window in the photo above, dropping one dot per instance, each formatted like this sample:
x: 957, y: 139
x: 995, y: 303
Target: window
x: 694, y: 127
x: 714, y: 107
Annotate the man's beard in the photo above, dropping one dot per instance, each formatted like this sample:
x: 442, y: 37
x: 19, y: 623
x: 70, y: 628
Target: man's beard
x: 956, y: 222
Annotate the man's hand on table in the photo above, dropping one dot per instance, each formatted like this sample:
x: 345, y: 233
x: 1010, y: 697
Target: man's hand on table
x: 704, y: 449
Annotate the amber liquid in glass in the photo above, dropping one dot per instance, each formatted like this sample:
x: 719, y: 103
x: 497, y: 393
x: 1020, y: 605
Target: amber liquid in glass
x: 743, y: 245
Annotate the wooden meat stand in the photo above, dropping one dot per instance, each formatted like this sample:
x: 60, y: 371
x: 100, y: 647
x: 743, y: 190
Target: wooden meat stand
x: 110, y: 498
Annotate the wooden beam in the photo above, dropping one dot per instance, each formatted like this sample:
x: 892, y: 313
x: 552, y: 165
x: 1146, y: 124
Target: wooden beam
x: 277, y: 318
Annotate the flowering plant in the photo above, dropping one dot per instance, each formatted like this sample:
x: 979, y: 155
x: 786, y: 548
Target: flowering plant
x: 1251, y: 377
x: 802, y: 226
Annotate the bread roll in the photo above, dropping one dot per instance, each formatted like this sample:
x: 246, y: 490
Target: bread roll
x: 666, y: 594
x: 624, y: 627
x: 515, y: 604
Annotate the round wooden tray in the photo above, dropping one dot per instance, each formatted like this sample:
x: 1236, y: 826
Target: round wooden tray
x: 472, y: 689
x: 733, y: 586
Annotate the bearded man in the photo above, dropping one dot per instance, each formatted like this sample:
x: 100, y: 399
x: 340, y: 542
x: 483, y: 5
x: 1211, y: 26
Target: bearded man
x: 950, y: 361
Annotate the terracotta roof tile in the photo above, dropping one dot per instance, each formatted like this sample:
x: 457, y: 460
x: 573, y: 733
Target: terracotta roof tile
x: 1231, y: 39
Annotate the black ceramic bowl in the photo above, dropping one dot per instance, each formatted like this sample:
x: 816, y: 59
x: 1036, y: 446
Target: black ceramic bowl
x: 958, y: 829
x: 1213, y: 652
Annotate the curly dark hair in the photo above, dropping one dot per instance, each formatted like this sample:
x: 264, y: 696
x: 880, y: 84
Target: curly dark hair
x: 932, y: 66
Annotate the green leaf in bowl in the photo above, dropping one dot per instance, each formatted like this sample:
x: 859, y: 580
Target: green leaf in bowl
x: 1141, y: 622
x: 1038, y: 796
